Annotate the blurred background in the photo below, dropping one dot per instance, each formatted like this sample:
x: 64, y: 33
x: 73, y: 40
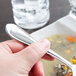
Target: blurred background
x: 58, y: 9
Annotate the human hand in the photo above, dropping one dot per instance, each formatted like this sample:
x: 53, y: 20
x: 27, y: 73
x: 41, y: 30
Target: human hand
x: 17, y: 59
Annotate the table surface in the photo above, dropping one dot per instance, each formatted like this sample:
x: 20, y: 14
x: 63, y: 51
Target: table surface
x: 58, y: 9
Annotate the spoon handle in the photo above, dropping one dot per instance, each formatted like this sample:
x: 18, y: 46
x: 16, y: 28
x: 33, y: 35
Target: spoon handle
x: 22, y: 36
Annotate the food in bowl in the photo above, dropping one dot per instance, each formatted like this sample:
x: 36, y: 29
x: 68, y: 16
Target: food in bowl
x: 64, y: 45
x: 63, y: 70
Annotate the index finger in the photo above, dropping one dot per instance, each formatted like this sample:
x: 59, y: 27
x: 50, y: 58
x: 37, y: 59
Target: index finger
x: 16, y: 46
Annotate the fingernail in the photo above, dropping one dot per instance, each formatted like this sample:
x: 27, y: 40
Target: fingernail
x: 45, y: 43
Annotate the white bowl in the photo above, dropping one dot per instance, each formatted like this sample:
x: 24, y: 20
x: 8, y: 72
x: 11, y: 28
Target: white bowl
x: 65, y: 25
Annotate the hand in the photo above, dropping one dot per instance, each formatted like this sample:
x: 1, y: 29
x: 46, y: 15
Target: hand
x: 17, y: 59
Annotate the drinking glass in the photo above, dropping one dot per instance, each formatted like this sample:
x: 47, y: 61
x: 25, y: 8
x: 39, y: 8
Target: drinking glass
x: 30, y: 14
x: 73, y: 8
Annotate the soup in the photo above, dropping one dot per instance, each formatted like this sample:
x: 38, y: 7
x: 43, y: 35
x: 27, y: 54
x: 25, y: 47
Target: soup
x: 65, y: 46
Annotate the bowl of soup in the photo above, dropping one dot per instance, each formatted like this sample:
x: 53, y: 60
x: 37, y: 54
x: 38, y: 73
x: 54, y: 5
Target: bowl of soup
x: 62, y: 35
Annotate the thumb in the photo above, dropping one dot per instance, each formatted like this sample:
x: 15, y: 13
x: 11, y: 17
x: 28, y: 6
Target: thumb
x: 34, y: 52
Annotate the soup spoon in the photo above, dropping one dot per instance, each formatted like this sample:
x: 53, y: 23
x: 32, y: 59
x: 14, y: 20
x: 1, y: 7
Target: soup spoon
x: 22, y: 36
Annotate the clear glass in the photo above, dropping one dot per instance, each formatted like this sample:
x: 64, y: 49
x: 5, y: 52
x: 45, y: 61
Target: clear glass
x: 30, y: 14
x: 73, y: 8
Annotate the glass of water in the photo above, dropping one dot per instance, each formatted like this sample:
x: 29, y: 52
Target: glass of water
x: 73, y: 8
x: 30, y: 14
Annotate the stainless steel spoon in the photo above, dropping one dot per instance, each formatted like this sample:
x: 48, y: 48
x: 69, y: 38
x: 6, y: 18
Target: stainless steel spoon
x: 22, y: 36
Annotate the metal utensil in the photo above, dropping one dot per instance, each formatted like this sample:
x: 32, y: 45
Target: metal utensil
x: 22, y: 36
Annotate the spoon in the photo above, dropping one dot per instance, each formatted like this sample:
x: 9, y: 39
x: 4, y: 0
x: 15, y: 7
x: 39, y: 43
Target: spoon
x: 22, y: 36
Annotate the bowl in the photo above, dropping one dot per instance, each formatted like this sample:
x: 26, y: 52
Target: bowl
x: 65, y: 25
